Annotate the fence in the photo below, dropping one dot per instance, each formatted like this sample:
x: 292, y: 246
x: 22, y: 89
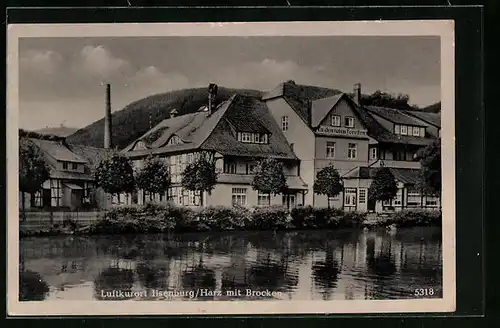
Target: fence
x: 44, y: 220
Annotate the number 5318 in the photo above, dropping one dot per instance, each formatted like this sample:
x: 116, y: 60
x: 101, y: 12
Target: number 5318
x: 422, y: 292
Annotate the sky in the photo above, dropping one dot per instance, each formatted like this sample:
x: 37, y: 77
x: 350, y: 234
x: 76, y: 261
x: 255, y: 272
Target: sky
x: 61, y: 79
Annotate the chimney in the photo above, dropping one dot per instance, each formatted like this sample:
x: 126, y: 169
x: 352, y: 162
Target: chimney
x: 173, y: 113
x: 212, y: 94
x: 107, y: 119
x: 357, y: 93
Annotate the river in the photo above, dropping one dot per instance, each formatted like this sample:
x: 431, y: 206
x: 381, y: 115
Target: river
x: 297, y: 265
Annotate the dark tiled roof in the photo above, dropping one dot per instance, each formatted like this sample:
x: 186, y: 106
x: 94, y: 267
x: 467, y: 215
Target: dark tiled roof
x: 217, y: 131
x: 404, y: 175
x: 193, y: 129
x: 57, y: 150
x: 381, y: 134
x: 431, y: 118
x: 393, y: 115
x: 66, y: 152
x: 224, y: 140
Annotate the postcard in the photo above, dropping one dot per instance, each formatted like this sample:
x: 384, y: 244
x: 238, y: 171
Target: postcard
x: 231, y: 168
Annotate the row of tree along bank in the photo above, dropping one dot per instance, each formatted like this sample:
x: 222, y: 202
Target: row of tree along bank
x: 153, y: 218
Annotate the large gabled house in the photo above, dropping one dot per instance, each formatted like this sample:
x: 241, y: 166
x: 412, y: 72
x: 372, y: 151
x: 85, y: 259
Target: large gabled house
x: 70, y: 186
x: 326, y: 126
x: 238, y: 133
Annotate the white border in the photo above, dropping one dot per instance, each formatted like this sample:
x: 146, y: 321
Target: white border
x: 442, y: 28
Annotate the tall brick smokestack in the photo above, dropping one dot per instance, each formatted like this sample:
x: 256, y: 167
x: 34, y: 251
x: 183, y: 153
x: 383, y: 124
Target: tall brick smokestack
x: 107, y: 119
x: 357, y: 93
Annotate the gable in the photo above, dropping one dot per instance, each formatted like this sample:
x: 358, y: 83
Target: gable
x: 337, y: 112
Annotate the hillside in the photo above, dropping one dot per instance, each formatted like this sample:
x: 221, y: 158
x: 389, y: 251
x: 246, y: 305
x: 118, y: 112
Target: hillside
x: 133, y: 121
x: 434, y: 108
x: 61, y: 131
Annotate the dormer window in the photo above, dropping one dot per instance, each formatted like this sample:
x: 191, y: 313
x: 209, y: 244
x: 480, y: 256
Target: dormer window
x: 174, y: 140
x: 409, y: 130
x: 349, y: 122
x: 416, y: 131
x: 251, y: 137
x: 404, y: 130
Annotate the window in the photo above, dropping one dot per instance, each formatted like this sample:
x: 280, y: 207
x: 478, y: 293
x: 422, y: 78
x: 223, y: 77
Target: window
x: 397, y: 129
x: 56, y: 194
x: 86, y: 192
x: 382, y: 154
x: 349, y: 122
x: 38, y: 199
x: 245, y: 137
x: 350, y: 197
x: 416, y: 131
x: 431, y: 202
x: 373, y: 153
x: 230, y: 167
x: 263, y: 199
x: 194, y: 198
x: 404, y: 130
x: 248, y: 137
x: 65, y: 165
x: 284, y: 123
x: 172, y: 194
x: 291, y: 146
x: 250, y: 168
x: 351, y: 151
x: 362, y: 196
x: 239, y: 196
x: 330, y: 150
x: 399, y: 155
x: 335, y: 120
x: 74, y: 166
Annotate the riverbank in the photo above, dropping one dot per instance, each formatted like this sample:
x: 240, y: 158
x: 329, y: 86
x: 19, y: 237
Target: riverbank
x: 153, y: 218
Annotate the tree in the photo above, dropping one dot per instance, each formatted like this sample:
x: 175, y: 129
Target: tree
x: 114, y: 174
x: 33, y: 170
x: 153, y: 177
x: 328, y: 183
x: 383, y: 186
x: 269, y: 177
x: 200, y: 175
x: 430, y: 171
x: 385, y: 99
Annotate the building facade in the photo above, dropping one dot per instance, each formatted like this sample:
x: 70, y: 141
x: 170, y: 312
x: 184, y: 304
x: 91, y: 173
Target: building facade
x: 70, y: 186
x: 326, y: 126
x: 304, y: 127
x: 236, y: 135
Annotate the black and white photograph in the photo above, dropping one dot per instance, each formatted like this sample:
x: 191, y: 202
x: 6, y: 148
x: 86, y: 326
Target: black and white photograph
x: 298, y: 167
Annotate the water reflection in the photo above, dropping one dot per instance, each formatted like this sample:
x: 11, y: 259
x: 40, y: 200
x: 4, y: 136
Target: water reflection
x: 295, y: 265
x: 32, y: 287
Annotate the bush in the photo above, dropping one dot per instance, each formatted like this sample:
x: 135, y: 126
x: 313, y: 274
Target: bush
x: 324, y: 218
x: 221, y: 218
x: 270, y: 218
x: 154, y: 218
x: 416, y: 217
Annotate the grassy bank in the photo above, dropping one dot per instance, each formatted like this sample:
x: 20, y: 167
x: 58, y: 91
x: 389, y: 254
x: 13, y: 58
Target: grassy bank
x: 171, y: 219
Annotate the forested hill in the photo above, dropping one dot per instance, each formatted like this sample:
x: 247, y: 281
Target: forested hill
x: 434, y: 108
x: 133, y: 121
